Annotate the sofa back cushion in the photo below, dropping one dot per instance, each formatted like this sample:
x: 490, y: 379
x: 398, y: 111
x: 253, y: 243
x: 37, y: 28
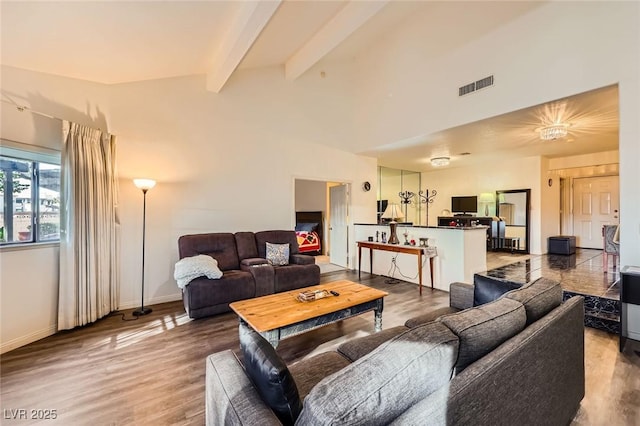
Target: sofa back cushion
x: 378, y: 387
x: 221, y: 246
x: 270, y: 376
x: 539, y: 298
x: 483, y: 328
x: 276, y: 237
x: 487, y: 289
x: 246, y: 243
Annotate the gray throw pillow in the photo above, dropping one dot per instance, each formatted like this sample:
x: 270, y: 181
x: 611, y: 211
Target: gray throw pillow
x: 378, y: 387
x: 484, y: 328
x: 278, y: 254
x: 538, y: 298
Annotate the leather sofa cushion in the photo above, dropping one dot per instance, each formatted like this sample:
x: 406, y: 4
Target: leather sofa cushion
x: 221, y: 246
x: 539, y: 298
x: 292, y: 277
x: 246, y: 244
x: 487, y: 289
x: 381, y: 385
x: 270, y: 376
x: 483, y: 328
x: 276, y: 237
x: 234, y: 285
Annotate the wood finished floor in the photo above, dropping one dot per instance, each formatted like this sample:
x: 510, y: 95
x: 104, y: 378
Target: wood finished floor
x: 151, y: 371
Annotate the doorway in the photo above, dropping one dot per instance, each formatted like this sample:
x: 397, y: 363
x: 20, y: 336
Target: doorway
x: 320, y: 197
x: 596, y: 202
x: 339, y: 225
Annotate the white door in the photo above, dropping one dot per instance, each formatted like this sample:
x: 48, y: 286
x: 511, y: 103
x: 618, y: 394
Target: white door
x: 338, y: 225
x: 595, y: 203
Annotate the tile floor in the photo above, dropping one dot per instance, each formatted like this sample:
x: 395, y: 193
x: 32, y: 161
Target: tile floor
x: 581, y: 272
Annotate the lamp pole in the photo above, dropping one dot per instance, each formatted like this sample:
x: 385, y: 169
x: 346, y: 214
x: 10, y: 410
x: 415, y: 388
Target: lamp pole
x: 144, y: 185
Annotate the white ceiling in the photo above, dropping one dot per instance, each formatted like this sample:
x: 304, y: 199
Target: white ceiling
x: 124, y: 41
x: 593, y: 127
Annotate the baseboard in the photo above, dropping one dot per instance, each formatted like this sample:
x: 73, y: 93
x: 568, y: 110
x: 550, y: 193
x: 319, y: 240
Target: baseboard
x: 154, y: 301
x: 633, y: 335
x: 29, y: 338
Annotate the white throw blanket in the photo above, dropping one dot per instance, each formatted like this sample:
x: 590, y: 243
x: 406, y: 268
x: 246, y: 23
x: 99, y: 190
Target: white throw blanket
x: 190, y: 268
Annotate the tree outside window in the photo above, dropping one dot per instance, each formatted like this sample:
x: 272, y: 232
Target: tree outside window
x: 30, y: 191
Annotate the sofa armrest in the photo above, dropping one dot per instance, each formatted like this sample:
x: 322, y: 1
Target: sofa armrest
x: 301, y: 259
x: 263, y: 275
x: 230, y: 397
x: 252, y: 261
x: 461, y: 295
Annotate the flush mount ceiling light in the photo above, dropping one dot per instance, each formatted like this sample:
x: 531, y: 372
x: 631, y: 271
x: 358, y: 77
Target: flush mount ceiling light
x: 554, y: 131
x: 440, y: 161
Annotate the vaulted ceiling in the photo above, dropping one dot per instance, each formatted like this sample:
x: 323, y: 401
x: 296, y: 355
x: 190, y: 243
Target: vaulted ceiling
x: 125, y: 41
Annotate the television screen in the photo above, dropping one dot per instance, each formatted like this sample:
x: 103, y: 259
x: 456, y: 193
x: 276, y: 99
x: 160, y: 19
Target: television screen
x: 464, y: 204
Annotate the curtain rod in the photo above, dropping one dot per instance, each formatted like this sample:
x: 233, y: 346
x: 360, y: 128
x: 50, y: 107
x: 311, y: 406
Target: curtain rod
x: 23, y: 108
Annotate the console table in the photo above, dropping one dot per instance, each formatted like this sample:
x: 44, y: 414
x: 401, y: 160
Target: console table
x: 398, y: 248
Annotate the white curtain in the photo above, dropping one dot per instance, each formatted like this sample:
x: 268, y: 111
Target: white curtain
x: 89, y: 227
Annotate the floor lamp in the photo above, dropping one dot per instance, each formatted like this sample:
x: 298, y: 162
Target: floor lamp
x: 145, y: 185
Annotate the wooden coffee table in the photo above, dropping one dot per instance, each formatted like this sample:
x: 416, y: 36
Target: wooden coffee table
x: 281, y: 315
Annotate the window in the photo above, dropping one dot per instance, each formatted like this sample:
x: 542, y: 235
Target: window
x: 30, y: 191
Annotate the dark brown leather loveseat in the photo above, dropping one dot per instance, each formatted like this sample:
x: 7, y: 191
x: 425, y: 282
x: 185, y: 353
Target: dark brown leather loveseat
x: 246, y: 272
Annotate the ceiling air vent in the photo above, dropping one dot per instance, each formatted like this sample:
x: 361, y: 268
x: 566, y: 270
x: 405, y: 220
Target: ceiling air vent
x: 471, y: 87
x: 485, y: 82
x: 477, y: 85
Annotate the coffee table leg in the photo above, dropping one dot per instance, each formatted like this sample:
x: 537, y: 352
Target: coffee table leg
x: 273, y: 336
x: 378, y: 315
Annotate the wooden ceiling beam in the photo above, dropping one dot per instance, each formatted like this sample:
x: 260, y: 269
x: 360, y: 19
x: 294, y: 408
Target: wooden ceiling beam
x: 341, y: 26
x: 243, y: 31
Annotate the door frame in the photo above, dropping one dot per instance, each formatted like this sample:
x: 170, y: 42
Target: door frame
x: 350, y: 228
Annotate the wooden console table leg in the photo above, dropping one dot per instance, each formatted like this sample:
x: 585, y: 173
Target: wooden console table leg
x: 420, y: 271
x: 371, y: 261
x: 431, y: 270
x: 359, y: 261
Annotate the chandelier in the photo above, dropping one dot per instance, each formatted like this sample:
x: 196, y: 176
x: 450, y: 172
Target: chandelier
x: 440, y: 161
x: 553, y: 132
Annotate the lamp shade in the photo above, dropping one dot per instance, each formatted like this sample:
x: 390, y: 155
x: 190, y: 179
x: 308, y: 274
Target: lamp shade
x: 144, y: 184
x: 393, y: 212
x: 486, y: 197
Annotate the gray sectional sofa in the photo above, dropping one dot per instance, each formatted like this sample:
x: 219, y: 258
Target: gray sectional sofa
x: 246, y: 272
x: 516, y: 360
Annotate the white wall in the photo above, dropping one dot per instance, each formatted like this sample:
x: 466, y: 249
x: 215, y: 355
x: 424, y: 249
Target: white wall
x: 311, y: 195
x: 549, y: 205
